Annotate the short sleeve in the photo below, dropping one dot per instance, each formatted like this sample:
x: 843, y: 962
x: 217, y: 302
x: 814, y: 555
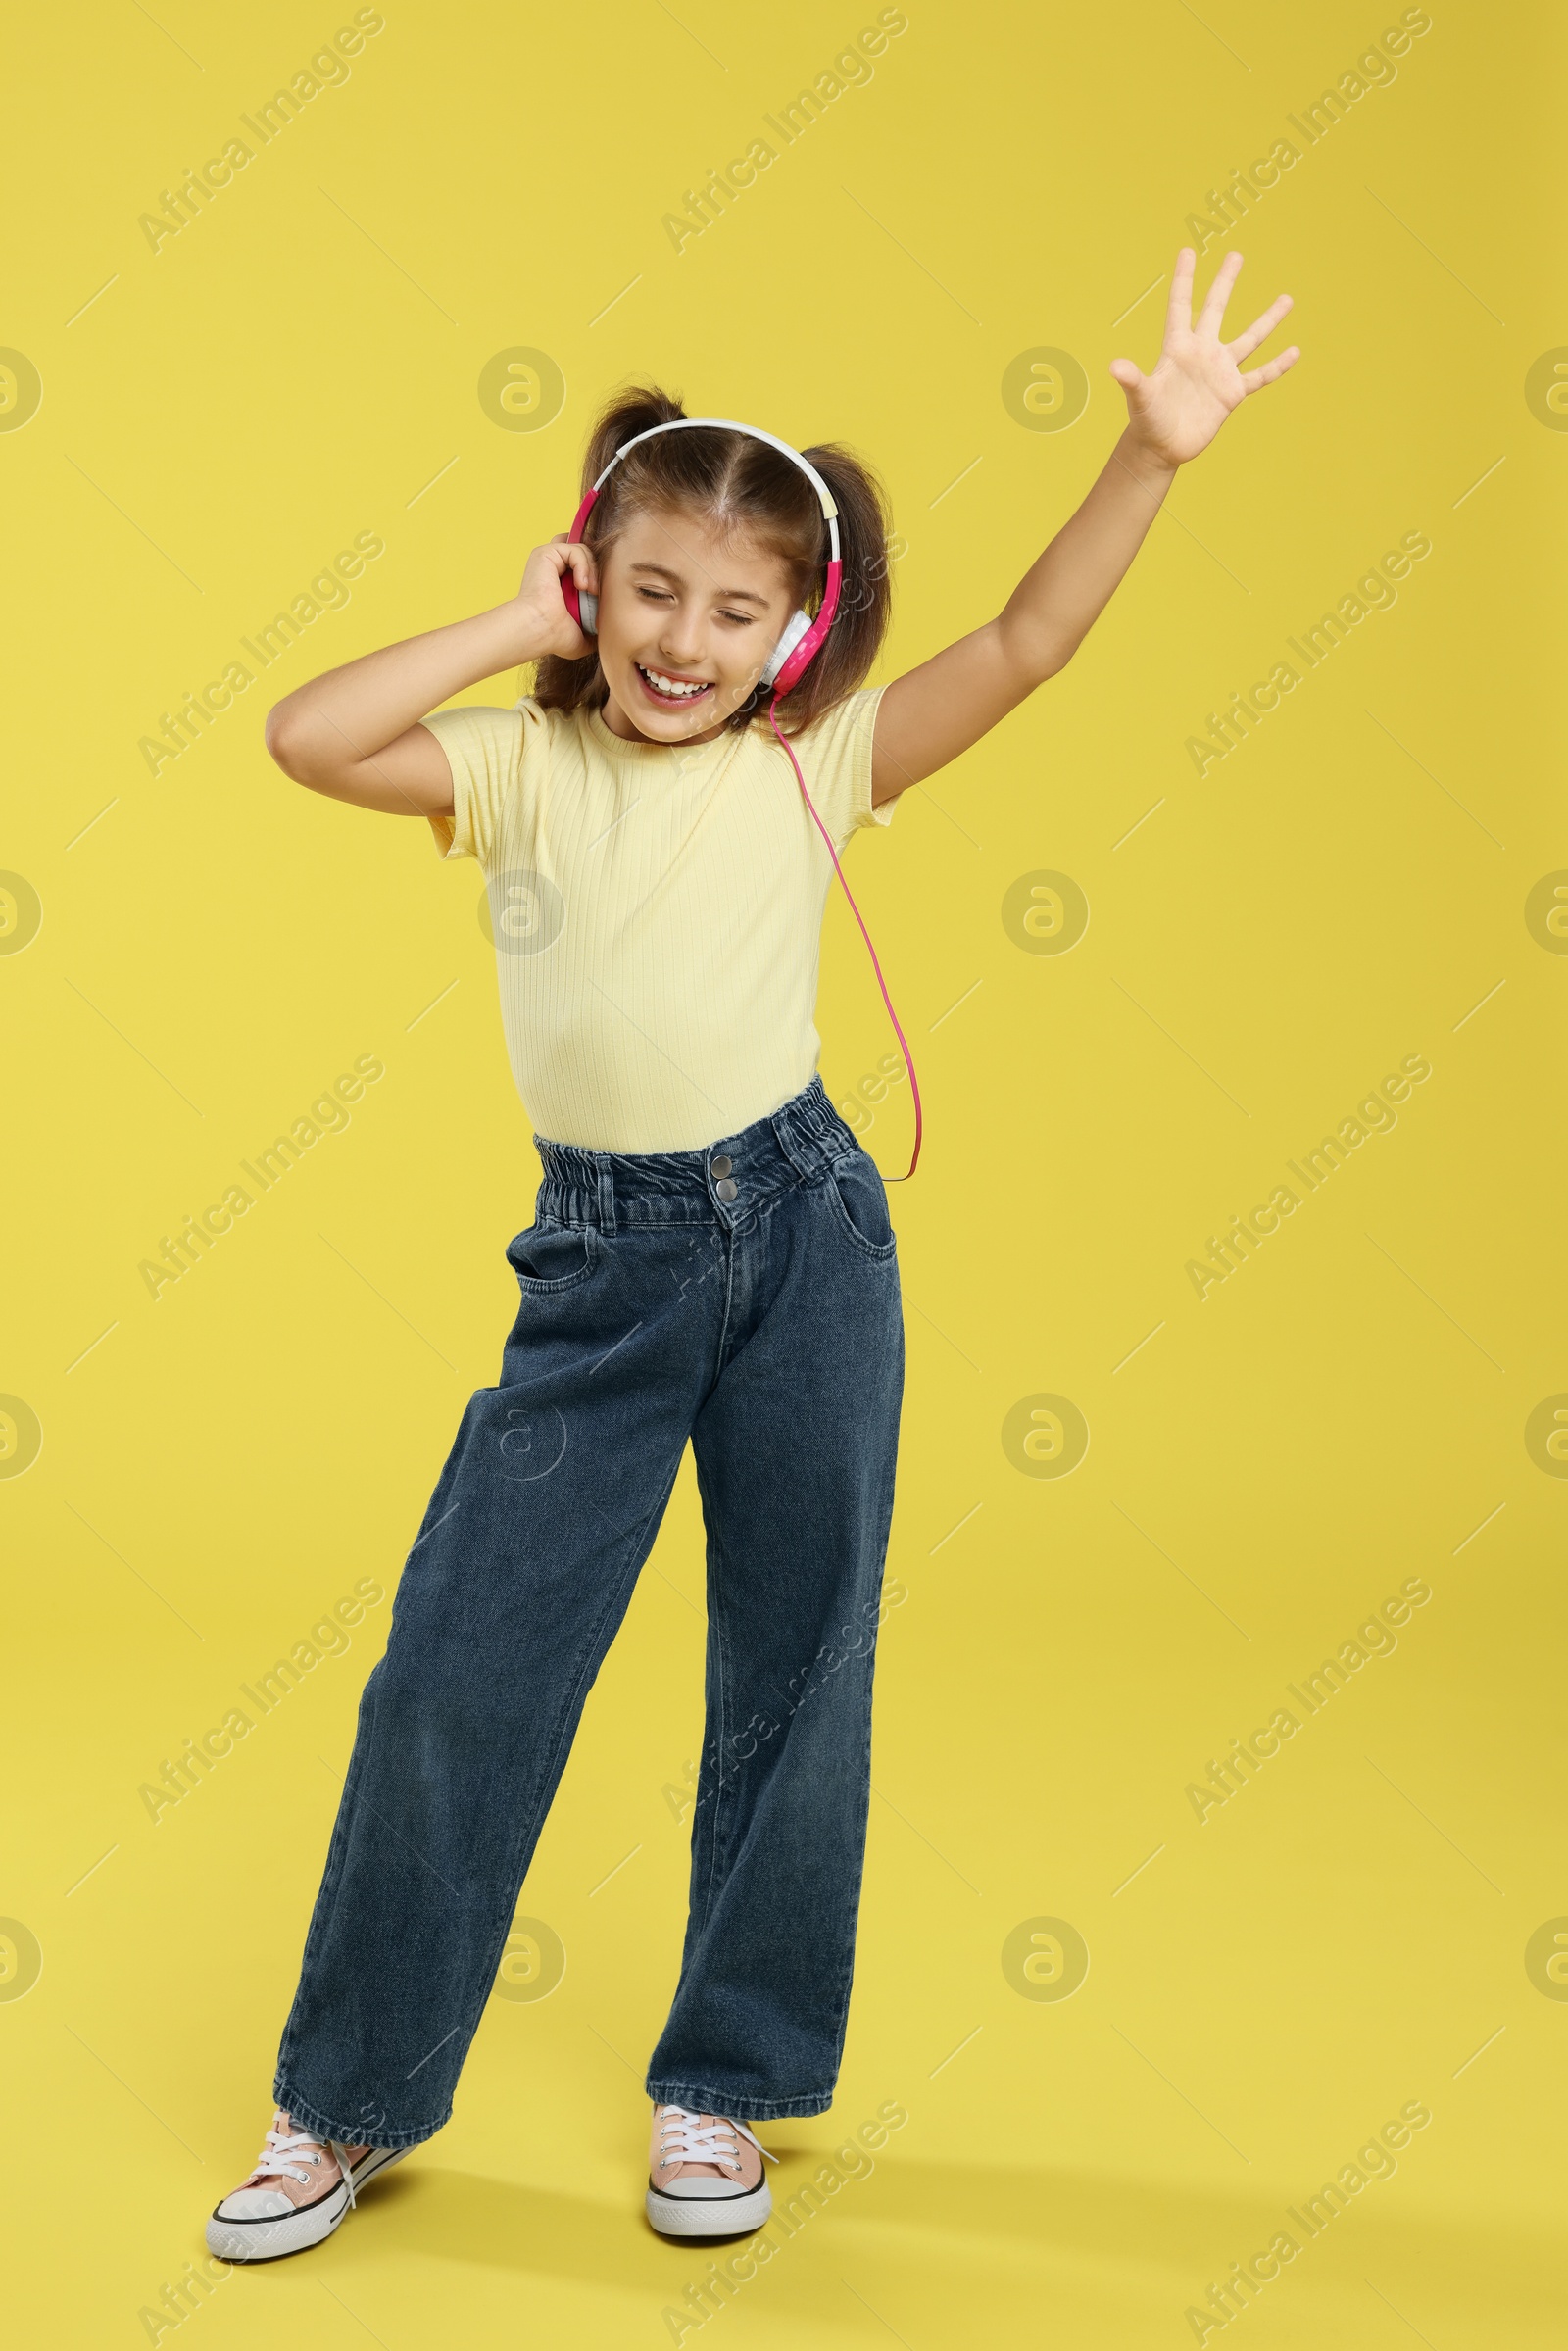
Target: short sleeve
x: 485, y: 750
x: 835, y: 756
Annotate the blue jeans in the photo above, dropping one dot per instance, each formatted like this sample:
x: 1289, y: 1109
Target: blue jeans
x: 745, y: 1296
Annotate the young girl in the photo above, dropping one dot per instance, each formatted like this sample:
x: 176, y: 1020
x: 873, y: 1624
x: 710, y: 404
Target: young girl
x: 710, y: 1259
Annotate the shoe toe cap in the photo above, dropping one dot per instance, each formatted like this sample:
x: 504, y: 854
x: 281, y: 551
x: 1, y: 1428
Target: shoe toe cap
x: 255, y: 2204
x: 700, y: 2188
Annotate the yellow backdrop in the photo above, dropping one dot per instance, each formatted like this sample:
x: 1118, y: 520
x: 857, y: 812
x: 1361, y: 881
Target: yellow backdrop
x: 1219, y: 1733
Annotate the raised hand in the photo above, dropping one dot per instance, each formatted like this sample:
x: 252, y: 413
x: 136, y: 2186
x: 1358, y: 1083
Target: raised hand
x: 1175, y: 412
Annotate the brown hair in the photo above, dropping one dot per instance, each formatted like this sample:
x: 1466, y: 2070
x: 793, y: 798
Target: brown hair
x: 741, y: 486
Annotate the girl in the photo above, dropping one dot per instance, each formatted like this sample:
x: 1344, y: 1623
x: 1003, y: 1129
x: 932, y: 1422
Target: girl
x: 710, y: 1259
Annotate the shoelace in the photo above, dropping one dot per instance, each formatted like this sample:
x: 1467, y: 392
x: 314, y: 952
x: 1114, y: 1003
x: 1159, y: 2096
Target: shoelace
x: 281, y: 2159
x: 683, y: 2138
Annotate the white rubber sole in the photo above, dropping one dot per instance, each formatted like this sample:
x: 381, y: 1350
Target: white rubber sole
x: 709, y: 2215
x: 296, y: 2232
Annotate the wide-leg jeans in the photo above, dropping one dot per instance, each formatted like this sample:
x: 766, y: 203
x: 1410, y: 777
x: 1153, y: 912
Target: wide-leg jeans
x: 746, y: 1298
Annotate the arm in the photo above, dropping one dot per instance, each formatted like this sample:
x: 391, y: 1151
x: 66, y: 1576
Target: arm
x: 354, y: 733
x: 930, y: 715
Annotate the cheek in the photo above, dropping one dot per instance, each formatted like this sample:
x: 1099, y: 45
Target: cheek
x: 753, y: 650
x: 622, y: 613
x: 739, y: 654
x: 743, y: 658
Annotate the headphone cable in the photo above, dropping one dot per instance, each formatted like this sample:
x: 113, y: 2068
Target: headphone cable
x: 909, y: 1057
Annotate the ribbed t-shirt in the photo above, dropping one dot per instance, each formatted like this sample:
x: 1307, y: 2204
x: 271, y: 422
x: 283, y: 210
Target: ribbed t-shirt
x: 656, y: 912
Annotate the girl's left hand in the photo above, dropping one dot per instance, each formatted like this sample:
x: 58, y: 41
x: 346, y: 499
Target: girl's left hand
x: 1176, y: 411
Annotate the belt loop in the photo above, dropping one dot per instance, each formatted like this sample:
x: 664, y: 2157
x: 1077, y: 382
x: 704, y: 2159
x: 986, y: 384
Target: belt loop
x: 607, y: 1199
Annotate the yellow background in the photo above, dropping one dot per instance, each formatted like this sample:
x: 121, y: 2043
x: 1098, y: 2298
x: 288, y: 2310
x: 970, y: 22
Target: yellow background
x: 218, y: 1467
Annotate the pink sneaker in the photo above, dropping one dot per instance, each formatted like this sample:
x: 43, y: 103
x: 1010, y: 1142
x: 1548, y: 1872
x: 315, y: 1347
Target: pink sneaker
x: 301, y: 2190
x: 705, y: 2176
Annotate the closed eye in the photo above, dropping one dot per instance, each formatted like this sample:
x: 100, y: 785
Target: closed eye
x: 662, y: 596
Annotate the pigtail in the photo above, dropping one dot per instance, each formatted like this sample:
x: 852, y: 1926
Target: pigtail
x: 866, y: 592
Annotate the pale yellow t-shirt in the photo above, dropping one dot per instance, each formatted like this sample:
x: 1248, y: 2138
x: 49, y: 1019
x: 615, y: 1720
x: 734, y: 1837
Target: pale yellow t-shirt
x: 657, y: 911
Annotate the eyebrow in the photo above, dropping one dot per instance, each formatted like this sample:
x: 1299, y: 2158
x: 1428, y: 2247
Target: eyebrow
x: 725, y: 595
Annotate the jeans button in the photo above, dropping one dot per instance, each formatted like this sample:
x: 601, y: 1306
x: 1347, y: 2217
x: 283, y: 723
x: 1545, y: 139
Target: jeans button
x: 726, y: 1188
x: 721, y: 1167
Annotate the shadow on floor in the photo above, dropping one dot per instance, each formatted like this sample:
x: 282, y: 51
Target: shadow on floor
x: 938, y: 2222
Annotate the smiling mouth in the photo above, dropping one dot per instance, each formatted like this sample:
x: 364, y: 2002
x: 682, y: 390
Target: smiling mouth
x: 672, y: 692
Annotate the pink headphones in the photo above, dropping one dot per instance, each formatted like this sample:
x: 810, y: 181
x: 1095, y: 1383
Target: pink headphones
x: 796, y: 649
x: 784, y: 667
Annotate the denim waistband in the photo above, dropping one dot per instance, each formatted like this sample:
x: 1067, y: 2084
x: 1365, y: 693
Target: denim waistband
x: 721, y: 1184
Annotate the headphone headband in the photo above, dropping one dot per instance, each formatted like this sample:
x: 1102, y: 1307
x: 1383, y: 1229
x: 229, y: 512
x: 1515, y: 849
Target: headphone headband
x: 753, y: 432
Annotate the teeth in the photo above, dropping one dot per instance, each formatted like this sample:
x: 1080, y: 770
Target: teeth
x: 677, y: 689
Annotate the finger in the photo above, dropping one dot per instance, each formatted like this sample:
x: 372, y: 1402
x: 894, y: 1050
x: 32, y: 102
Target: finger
x: 1179, y: 309
x: 1271, y: 369
x: 571, y: 555
x: 1219, y: 293
x: 1127, y: 374
x: 1261, y: 327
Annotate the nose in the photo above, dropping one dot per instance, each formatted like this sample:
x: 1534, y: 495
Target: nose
x: 682, y: 641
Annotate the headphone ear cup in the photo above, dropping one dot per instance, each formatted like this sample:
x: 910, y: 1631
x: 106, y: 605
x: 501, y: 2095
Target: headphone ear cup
x: 795, y: 628
x: 587, y: 613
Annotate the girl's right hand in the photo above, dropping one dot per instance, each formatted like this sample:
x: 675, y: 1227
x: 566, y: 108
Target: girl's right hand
x: 546, y: 624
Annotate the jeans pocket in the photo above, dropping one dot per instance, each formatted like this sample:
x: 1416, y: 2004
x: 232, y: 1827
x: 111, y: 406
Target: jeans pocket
x: 855, y: 1191
x: 551, y: 1258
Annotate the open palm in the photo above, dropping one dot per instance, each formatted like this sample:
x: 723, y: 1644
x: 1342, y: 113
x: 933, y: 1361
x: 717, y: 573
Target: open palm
x: 1197, y: 381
